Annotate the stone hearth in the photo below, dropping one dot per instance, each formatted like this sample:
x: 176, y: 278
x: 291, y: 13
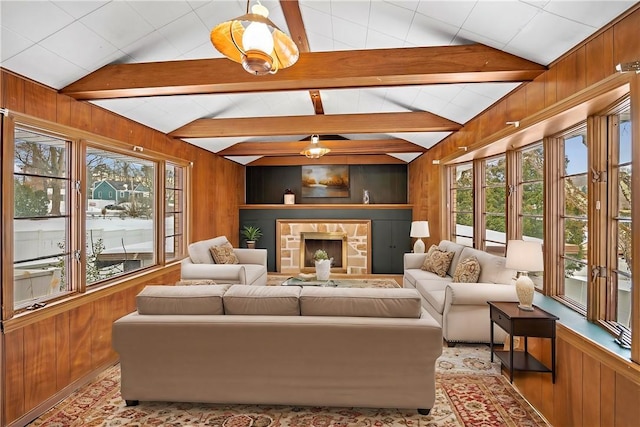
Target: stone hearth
x: 358, y: 238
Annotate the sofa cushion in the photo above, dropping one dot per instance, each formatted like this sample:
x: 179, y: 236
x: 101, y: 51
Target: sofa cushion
x: 492, y: 267
x: 223, y: 254
x: 467, y: 270
x: 436, y: 299
x: 360, y: 302
x: 158, y: 299
x: 262, y: 300
x: 438, y: 261
x: 199, y: 251
x: 419, y: 274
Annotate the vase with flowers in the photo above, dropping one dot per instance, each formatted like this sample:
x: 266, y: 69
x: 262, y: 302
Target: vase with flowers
x: 323, y: 264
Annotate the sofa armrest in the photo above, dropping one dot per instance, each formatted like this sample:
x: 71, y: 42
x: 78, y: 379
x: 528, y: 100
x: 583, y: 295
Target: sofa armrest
x: 223, y: 273
x: 479, y: 293
x: 251, y: 256
x: 412, y: 260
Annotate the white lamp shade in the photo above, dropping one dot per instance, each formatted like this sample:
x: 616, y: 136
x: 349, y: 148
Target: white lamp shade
x: 524, y: 256
x: 419, y: 229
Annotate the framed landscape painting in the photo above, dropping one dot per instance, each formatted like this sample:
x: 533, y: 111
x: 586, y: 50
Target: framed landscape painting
x: 325, y: 181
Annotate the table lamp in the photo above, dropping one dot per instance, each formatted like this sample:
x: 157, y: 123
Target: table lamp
x: 419, y: 229
x: 524, y: 257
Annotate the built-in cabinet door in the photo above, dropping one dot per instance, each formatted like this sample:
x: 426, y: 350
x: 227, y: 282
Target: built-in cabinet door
x: 390, y: 240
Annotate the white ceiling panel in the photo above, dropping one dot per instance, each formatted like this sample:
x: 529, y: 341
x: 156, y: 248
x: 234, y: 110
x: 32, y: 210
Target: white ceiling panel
x: 78, y: 9
x: 118, y: 22
x: 423, y: 139
x: 185, y: 33
x: 12, y: 44
x: 57, y: 73
x: 159, y: 14
x: 592, y: 13
x: 426, y: 31
x: 451, y: 12
x: 80, y: 45
x: 356, y: 12
x: 350, y: 34
x: 546, y: 37
x: 407, y: 157
x: 390, y: 19
x: 34, y: 20
x: 507, y: 19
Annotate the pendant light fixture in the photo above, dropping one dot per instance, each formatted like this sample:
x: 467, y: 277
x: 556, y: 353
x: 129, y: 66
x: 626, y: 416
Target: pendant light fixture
x: 255, y: 42
x: 315, y: 150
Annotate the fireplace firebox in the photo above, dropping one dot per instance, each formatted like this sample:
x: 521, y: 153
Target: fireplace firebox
x: 334, y: 243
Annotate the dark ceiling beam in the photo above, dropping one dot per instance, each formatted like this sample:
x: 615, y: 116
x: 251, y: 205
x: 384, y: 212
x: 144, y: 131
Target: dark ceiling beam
x: 338, y: 147
x: 298, y: 33
x: 314, y: 71
x: 334, y: 124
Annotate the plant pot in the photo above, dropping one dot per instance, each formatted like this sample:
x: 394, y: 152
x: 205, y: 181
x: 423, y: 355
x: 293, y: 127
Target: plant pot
x: 251, y: 244
x: 323, y: 269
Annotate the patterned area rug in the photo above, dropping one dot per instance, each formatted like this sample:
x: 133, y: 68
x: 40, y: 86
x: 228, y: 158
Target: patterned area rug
x: 468, y: 393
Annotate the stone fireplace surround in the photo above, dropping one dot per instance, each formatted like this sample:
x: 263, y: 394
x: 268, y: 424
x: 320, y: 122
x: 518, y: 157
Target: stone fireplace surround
x: 358, y: 242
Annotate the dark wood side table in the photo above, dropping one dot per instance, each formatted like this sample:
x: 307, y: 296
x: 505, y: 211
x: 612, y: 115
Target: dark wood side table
x: 522, y: 323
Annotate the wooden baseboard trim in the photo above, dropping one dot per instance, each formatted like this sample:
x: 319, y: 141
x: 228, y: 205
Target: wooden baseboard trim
x: 60, y: 396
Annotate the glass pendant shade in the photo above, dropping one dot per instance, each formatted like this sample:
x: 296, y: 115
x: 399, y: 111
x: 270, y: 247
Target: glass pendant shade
x: 255, y: 42
x: 315, y: 150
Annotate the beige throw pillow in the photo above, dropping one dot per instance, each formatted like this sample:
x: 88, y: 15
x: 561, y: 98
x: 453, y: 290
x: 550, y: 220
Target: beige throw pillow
x: 437, y: 261
x: 467, y: 271
x: 223, y: 254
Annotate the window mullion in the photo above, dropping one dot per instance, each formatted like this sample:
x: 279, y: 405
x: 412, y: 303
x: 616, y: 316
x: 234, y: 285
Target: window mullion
x: 597, y: 306
x: 554, y: 199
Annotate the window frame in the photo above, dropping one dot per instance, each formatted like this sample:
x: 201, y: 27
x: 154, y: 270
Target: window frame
x: 78, y: 142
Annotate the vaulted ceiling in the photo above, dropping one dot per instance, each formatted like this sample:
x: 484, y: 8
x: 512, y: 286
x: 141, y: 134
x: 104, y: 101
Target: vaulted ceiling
x: 374, y: 78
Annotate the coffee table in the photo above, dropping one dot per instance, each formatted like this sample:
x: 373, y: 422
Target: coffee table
x: 342, y: 283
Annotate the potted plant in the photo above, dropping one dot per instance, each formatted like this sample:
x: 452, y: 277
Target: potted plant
x: 251, y: 235
x: 323, y: 264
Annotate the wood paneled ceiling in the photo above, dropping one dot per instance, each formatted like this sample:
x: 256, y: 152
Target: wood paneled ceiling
x: 385, y: 78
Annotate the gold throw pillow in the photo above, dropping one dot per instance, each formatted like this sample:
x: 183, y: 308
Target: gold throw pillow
x: 467, y: 271
x: 437, y: 261
x: 223, y: 255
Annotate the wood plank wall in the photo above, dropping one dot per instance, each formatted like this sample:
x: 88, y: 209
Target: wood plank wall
x: 587, y: 391
x: 45, y: 357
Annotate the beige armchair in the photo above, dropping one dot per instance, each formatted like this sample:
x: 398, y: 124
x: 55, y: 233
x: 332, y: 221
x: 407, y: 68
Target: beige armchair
x: 250, y: 270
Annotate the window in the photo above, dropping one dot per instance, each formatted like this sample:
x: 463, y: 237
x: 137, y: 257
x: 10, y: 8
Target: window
x: 41, y: 224
x: 494, y: 191
x: 174, y: 211
x: 69, y: 232
x: 121, y: 239
x: 574, y: 217
x: 530, y: 189
x: 461, y: 199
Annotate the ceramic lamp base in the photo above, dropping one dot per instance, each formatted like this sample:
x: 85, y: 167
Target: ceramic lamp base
x: 418, y: 247
x: 525, y: 291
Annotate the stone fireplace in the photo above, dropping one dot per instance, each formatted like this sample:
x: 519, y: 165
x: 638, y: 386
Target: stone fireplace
x: 347, y: 241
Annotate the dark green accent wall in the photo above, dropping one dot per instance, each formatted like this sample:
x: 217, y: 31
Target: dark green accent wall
x: 386, y: 184
x: 389, y: 231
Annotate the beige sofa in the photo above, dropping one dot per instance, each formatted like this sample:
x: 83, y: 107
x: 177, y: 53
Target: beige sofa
x: 461, y: 308
x: 344, y: 347
x: 251, y: 269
